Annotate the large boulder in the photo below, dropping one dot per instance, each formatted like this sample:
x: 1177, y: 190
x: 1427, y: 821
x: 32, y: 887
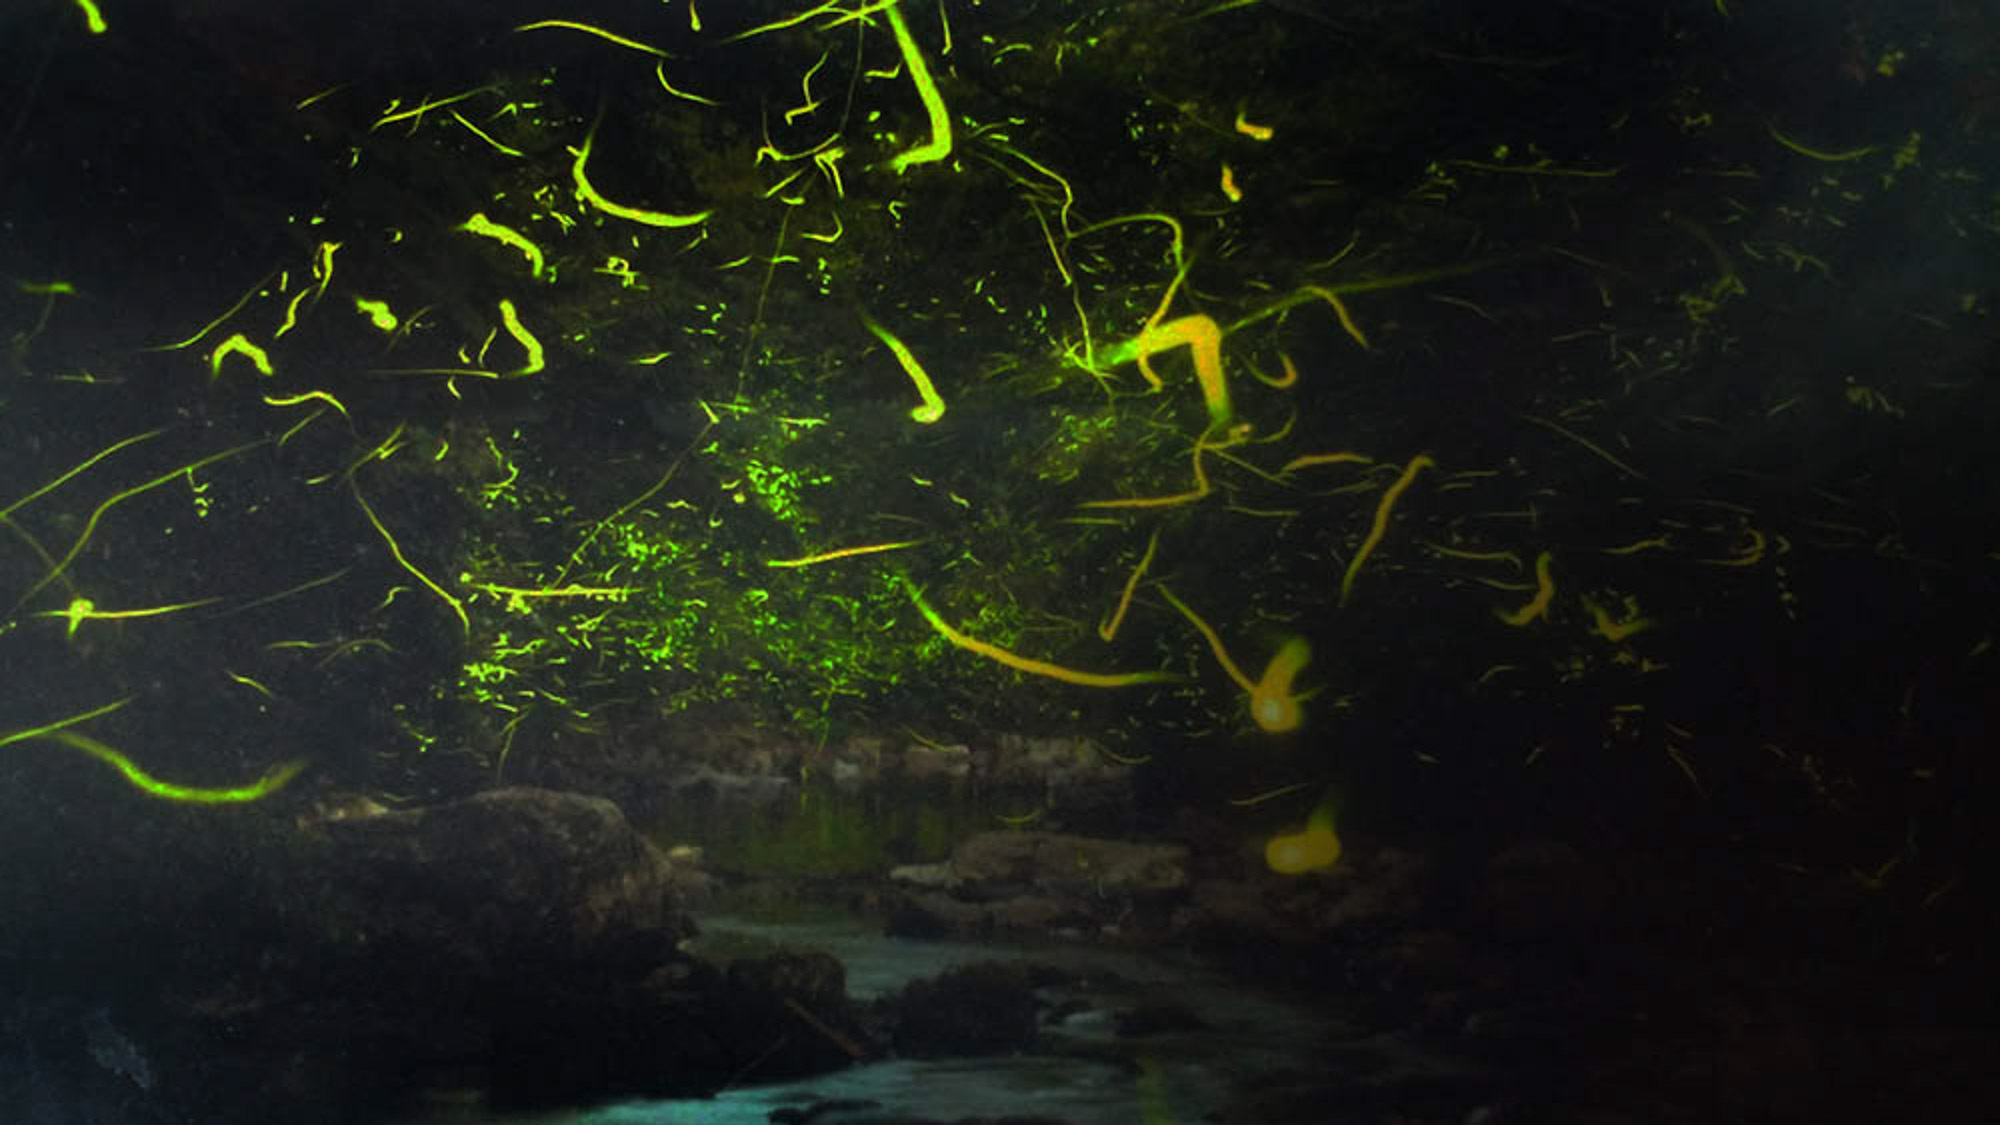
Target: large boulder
x: 327, y: 964
x: 478, y: 888
x: 524, y: 941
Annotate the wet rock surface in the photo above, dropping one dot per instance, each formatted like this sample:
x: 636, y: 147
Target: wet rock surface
x: 529, y: 948
x: 1037, y: 882
x: 523, y: 942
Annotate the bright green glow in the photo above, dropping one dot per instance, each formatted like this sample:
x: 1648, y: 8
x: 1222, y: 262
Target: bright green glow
x: 212, y: 325
x: 83, y: 609
x: 250, y: 683
x: 273, y: 780
x: 589, y: 194
x: 485, y: 136
x: 826, y: 7
x: 417, y: 111
x: 396, y: 549
x: 306, y: 396
x: 90, y: 525
x: 1028, y: 664
x: 93, y: 20
x: 588, y: 29
x: 46, y: 288
x: 516, y: 597
x: 378, y: 313
x: 323, y: 267
x: 238, y: 345
x: 523, y: 337
x: 291, y: 320
x: 939, y: 146
x: 933, y: 406
x: 80, y: 467
x: 779, y: 487
x: 842, y: 553
x: 480, y: 225
x: 47, y: 729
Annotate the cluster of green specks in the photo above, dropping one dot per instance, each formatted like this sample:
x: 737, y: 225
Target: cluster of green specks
x: 670, y: 603
x: 1079, y: 438
x: 778, y: 489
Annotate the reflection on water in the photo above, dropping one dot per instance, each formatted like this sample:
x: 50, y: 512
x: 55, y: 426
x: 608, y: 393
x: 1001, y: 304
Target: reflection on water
x: 1083, y: 1071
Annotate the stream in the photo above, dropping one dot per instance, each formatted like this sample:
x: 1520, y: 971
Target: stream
x: 1083, y: 1072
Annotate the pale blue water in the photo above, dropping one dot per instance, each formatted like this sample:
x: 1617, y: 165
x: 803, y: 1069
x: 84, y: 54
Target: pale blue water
x: 1085, y: 1074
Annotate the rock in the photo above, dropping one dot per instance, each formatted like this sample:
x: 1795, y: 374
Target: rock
x: 524, y: 940
x: 1038, y: 882
x: 927, y: 762
x: 931, y: 876
x: 995, y: 864
x: 480, y: 887
x: 987, y: 1008
x: 792, y: 1008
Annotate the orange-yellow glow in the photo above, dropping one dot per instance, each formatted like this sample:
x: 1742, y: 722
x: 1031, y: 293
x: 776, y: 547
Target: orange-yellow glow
x: 1203, y: 338
x: 1272, y: 703
x: 1029, y: 665
x: 1545, y: 592
x: 1108, y: 628
x: 1201, y: 485
x: 1311, y: 459
x: 1381, y: 526
x: 1340, y: 310
x: 1314, y: 849
x: 1253, y: 130
x: 842, y: 553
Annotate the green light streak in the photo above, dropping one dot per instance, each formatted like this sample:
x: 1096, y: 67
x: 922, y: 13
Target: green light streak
x: 396, y: 549
x: 93, y: 20
x: 226, y: 314
x: 516, y: 597
x: 47, y: 729
x: 828, y: 7
x: 46, y: 288
x: 80, y: 467
x: 932, y: 408
x: 485, y: 136
x: 523, y: 337
x: 59, y: 731
x: 939, y: 146
x: 304, y: 397
x: 238, y: 345
x: 428, y: 104
x: 378, y: 313
x: 589, y: 194
x: 90, y: 525
x: 273, y: 780
x: 660, y: 72
x: 842, y: 553
x: 289, y: 591
x: 484, y: 227
x: 1028, y: 664
x: 80, y: 610
x: 246, y: 681
x: 608, y: 37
